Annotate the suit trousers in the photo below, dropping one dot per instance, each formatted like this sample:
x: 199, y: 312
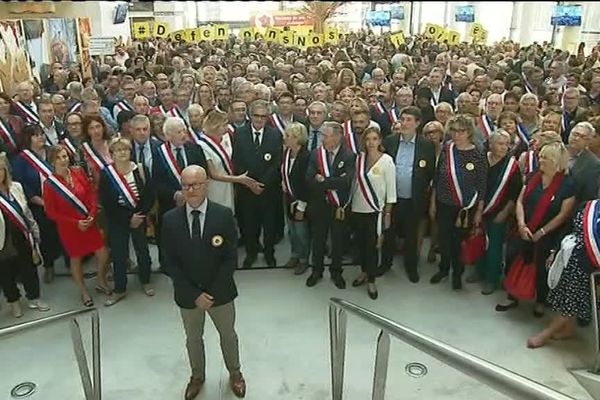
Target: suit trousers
x: 324, y: 222
x: 258, y: 214
x: 20, y: 266
x: 450, y: 238
x: 163, y: 207
x: 365, y: 238
x: 405, y: 222
x: 118, y: 241
x: 223, y: 318
x: 490, y: 265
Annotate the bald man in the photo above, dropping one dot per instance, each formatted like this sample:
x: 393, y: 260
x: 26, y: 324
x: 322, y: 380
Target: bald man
x: 200, y: 247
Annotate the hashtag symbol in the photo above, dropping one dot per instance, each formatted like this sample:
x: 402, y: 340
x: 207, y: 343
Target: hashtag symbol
x: 142, y: 30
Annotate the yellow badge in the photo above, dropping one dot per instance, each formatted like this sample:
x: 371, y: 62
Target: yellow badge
x: 422, y: 163
x: 267, y: 156
x: 470, y: 167
x: 217, y: 241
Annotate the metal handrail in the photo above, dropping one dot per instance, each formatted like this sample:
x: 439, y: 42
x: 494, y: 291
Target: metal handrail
x: 92, y: 386
x: 498, y: 378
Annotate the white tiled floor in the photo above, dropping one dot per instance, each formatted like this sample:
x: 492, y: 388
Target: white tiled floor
x: 283, y: 330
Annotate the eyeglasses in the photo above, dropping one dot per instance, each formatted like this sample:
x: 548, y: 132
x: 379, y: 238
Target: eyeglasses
x: 194, y: 186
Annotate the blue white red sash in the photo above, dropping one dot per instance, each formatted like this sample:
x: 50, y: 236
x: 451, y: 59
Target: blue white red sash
x: 591, y: 231
x: 218, y: 149
x: 94, y: 157
x: 528, y: 86
x: 454, y: 179
x: 366, y: 189
x: 170, y: 161
x: 12, y: 209
x: 176, y: 112
x: 565, y: 121
x: 27, y: 113
x: 511, y: 167
x: 393, y: 116
x: 530, y: 162
x: 523, y: 134
x: 74, y: 107
x: 68, y: 144
x: 487, y: 126
x: 42, y: 167
x: 277, y: 122
x: 67, y: 195
x: 230, y: 130
x: 122, y: 105
x: 379, y: 108
x: 122, y: 187
x: 8, y: 136
x: 350, y: 137
x: 325, y: 169
x: 286, y: 169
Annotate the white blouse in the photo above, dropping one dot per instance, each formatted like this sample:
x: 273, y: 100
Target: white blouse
x: 383, y: 179
x: 218, y: 191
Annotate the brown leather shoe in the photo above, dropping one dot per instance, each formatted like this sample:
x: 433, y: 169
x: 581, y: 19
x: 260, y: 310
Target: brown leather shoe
x: 193, y: 388
x: 238, y: 384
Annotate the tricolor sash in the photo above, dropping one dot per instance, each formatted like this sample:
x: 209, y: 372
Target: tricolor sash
x: 528, y: 86
x: 41, y: 166
x: 123, y: 105
x: 543, y: 204
x: 74, y: 107
x: 176, y: 112
x: 379, y: 108
x: 591, y: 231
x: 530, y: 162
x: 94, y: 157
x: 393, y: 116
x: 454, y: 173
x: 510, y: 168
x: 487, y: 126
x: 27, y: 113
x: 8, y: 136
x: 350, y: 137
x: 67, y: 195
x: 122, y: 187
x: 218, y: 149
x: 523, y: 134
x: 12, y: 209
x: 325, y: 169
x: 70, y: 146
x: 367, y: 191
x: 565, y: 121
x: 286, y: 169
x: 230, y: 130
x: 170, y: 161
x: 277, y: 122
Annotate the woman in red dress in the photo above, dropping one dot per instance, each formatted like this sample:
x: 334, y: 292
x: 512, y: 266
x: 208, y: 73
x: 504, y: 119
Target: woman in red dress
x: 70, y: 201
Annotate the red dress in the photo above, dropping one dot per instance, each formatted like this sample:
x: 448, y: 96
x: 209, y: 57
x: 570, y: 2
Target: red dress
x: 76, y: 242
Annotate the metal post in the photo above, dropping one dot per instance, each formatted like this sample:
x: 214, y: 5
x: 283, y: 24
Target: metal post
x: 382, y: 356
x: 337, y: 336
x: 96, y: 365
x: 595, y: 319
x: 81, y: 359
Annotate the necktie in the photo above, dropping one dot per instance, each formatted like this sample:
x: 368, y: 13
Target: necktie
x: 196, y: 229
x: 141, y: 158
x: 256, y: 139
x: 330, y: 157
x: 179, y: 157
x: 315, y: 135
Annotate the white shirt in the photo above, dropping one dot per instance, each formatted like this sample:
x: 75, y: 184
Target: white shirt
x: 183, y: 155
x: 51, y: 134
x: 260, y: 136
x: 383, y: 179
x: 190, y: 217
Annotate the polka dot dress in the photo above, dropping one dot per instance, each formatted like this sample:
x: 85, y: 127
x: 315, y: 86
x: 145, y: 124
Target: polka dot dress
x: 572, y: 296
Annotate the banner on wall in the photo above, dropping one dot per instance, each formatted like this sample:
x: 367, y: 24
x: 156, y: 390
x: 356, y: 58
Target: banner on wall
x: 279, y: 19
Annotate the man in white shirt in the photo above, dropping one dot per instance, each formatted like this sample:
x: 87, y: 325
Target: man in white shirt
x: 52, y: 128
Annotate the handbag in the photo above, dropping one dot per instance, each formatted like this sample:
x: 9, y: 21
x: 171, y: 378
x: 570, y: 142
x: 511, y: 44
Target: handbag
x: 560, y: 260
x: 520, y: 282
x: 473, y: 247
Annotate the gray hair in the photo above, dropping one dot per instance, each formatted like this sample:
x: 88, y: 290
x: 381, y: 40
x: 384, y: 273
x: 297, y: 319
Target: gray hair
x: 497, y: 134
x: 320, y: 104
x: 587, y: 126
x: 259, y: 104
x: 88, y: 93
x: 196, y: 107
x: 262, y: 91
x: 336, y: 127
x: 172, y: 123
x: 529, y: 96
x: 75, y: 89
x: 144, y: 98
x: 464, y: 95
x: 445, y: 105
x: 139, y: 119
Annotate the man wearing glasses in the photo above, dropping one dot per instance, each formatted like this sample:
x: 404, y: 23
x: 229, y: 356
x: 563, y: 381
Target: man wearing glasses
x: 200, y: 247
x: 257, y: 150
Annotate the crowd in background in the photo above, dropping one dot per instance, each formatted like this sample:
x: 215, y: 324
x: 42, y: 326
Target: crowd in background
x: 358, y: 149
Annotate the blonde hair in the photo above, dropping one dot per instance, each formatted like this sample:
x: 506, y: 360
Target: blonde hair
x: 497, y: 134
x: 4, y: 163
x: 363, y: 138
x: 214, y: 119
x: 557, y: 152
x: 118, y: 142
x: 298, y: 132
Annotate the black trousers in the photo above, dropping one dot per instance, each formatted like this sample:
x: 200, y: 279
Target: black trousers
x: 365, y: 235
x: 118, y: 241
x: 405, y: 222
x: 50, y: 245
x: 258, y: 215
x: 542, y: 251
x: 163, y: 207
x: 450, y: 237
x: 20, y: 266
x: 324, y: 223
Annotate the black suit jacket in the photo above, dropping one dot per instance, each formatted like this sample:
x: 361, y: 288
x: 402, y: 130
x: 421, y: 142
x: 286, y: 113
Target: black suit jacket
x: 298, y: 179
x: 261, y: 164
x: 166, y: 184
x: 446, y: 95
x: 343, y: 170
x: 586, y: 173
x: 423, y: 167
x: 154, y: 145
x: 204, y: 265
x: 383, y: 119
x: 117, y: 212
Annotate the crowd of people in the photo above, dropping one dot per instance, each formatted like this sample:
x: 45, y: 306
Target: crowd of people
x: 342, y: 150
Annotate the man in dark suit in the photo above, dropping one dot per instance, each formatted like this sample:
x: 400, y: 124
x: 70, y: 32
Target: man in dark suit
x: 380, y: 112
x: 439, y: 92
x: 415, y: 167
x: 573, y: 113
x: 172, y: 157
x: 257, y: 150
x: 200, y: 247
x: 53, y: 129
x: 285, y: 114
x: 584, y: 166
x: 329, y: 186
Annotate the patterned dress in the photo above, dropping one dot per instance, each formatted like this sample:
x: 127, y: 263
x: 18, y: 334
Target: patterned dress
x: 572, y: 295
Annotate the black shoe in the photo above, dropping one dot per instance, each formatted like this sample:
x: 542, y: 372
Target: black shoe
x: 456, y: 283
x: 382, y: 270
x: 506, y: 307
x: 250, y: 259
x: 413, y: 276
x: 359, y: 282
x: 313, y: 279
x: 373, y: 295
x: 271, y: 261
x: 338, y: 281
x: 438, y: 277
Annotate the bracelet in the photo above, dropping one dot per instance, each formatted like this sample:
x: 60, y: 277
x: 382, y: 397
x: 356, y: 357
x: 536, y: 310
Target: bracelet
x: 543, y: 231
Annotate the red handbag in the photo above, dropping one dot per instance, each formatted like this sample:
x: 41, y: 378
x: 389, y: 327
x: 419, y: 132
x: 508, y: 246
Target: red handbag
x: 473, y: 248
x: 520, y: 282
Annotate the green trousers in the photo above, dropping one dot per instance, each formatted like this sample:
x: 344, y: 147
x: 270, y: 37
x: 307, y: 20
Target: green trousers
x: 490, y: 265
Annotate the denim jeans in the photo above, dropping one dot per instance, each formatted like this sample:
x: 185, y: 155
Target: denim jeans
x: 299, y: 239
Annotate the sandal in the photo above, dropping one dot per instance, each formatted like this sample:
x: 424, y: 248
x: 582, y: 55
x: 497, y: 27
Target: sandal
x: 88, y: 303
x: 104, y: 290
